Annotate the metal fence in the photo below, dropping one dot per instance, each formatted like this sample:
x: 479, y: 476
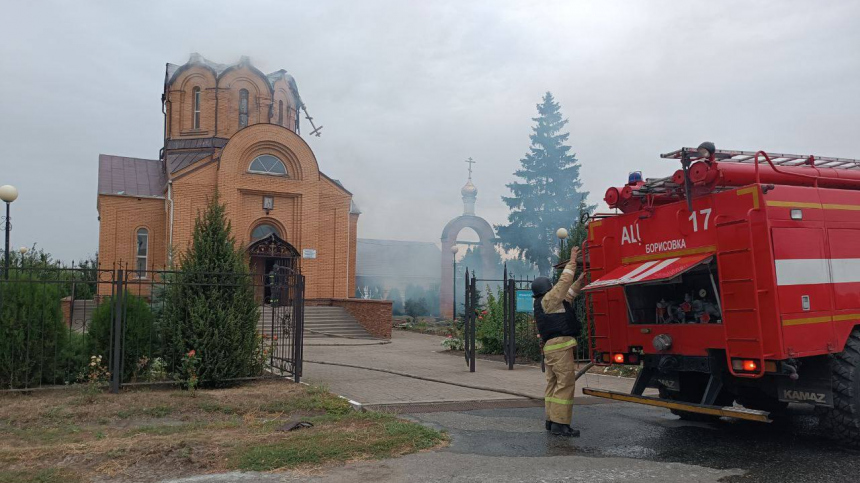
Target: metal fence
x: 513, y: 333
x: 63, y: 326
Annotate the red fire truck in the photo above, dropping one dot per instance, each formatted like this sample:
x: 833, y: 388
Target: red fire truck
x: 737, y: 279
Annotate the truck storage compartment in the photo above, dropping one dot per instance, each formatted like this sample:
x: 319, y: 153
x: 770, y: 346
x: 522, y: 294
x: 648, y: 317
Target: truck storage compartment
x: 680, y: 290
x: 689, y: 298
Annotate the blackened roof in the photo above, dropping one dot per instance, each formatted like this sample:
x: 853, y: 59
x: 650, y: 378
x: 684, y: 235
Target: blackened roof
x: 219, y: 69
x: 119, y: 175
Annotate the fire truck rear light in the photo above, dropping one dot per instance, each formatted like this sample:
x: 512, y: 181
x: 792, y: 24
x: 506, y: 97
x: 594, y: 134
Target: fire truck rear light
x: 618, y: 358
x: 769, y: 366
x: 745, y: 365
x: 796, y: 214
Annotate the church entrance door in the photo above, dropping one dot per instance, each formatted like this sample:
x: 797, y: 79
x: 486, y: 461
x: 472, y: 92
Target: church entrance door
x: 269, y: 255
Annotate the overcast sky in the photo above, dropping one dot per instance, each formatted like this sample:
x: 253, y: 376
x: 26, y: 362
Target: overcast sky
x: 408, y: 90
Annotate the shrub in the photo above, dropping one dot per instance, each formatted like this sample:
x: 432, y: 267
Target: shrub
x: 209, y: 307
x: 138, y: 341
x: 33, y: 337
x: 415, y: 308
x: 489, y: 331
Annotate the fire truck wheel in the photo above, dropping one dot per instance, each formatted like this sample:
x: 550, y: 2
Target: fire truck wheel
x: 843, y: 419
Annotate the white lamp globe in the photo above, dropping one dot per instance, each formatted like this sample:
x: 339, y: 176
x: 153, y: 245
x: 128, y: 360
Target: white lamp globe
x: 8, y: 193
x: 561, y: 233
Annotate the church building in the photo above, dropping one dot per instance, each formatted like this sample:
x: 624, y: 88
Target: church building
x: 233, y: 130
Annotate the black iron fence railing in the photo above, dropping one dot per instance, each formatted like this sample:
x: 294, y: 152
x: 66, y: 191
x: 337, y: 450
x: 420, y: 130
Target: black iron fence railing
x: 520, y: 339
x: 65, y: 326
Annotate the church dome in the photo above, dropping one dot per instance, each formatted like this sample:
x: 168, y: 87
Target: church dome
x: 469, y: 189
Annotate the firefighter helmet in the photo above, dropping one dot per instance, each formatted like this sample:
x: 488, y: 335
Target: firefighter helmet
x: 540, y: 286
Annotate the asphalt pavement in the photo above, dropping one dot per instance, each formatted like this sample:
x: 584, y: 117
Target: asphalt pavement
x: 620, y: 442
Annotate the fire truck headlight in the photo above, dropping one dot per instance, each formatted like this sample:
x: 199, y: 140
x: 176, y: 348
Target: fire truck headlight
x: 662, y: 342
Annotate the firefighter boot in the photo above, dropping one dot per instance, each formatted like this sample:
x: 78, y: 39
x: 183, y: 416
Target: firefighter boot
x: 564, y: 430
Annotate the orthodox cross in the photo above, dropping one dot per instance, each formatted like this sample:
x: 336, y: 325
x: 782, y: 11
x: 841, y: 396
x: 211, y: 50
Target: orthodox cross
x: 470, y: 166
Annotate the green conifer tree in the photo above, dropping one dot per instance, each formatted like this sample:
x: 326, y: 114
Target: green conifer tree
x: 209, y: 306
x: 547, y: 197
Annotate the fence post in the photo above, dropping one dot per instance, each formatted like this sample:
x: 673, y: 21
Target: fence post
x: 116, y: 360
x: 299, y: 314
x: 472, y: 335
x: 505, y: 306
x: 511, y: 322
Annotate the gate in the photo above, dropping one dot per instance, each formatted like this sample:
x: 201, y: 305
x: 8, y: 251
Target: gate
x: 470, y: 319
x: 286, y: 321
x: 517, y: 299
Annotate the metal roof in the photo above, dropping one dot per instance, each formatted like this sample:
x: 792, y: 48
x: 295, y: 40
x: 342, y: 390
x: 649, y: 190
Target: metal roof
x: 183, y: 159
x: 197, y: 143
x: 120, y: 175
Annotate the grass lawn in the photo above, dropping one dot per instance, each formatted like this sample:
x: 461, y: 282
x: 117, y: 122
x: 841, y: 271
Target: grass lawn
x: 146, y: 435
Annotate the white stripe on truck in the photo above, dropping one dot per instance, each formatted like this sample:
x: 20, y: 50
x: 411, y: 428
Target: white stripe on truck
x: 814, y: 271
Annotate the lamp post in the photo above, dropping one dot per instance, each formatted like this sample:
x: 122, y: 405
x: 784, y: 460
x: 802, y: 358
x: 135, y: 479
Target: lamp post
x: 8, y: 194
x: 454, y: 250
x: 23, y: 251
x: 561, y: 233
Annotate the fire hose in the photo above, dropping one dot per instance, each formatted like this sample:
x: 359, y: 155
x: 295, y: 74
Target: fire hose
x: 579, y: 374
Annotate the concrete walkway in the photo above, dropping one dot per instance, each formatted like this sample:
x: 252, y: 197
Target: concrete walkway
x: 421, y: 355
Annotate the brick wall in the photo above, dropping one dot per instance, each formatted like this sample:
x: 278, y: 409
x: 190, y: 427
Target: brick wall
x: 223, y: 92
x: 374, y: 315
x: 119, y: 219
x: 311, y: 210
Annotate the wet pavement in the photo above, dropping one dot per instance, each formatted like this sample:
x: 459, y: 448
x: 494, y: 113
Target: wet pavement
x: 788, y: 450
x: 620, y: 443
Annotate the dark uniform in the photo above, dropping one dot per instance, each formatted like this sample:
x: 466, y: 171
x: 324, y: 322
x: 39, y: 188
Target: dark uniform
x: 558, y: 327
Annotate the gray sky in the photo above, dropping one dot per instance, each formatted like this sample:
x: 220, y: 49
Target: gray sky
x: 408, y: 90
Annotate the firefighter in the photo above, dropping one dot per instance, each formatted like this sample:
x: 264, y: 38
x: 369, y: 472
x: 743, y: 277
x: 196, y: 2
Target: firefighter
x: 558, y: 327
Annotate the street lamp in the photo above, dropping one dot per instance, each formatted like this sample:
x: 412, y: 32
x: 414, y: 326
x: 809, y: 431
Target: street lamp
x: 561, y: 233
x: 454, y: 250
x: 23, y: 251
x: 8, y: 194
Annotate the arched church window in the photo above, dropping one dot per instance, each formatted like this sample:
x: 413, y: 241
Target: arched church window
x: 280, y: 113
x: 195, y: 100
x: 268, y: 164
x: 243, y: 108
x: 263, y: 230
x: 142, y: 252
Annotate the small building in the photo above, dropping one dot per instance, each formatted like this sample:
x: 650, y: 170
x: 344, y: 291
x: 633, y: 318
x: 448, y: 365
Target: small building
x: 233, y: 130
x: 385, y: 265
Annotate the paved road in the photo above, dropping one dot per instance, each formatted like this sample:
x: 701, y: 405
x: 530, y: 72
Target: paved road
x: 620, y: 442
x: 421, y: 355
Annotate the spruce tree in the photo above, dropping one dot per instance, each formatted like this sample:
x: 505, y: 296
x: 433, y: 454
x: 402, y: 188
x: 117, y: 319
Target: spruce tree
x: 546, y: 197
x: 209, y: 304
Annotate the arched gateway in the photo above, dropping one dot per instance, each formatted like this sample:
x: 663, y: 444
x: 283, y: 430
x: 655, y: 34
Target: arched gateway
x: 487, y: 238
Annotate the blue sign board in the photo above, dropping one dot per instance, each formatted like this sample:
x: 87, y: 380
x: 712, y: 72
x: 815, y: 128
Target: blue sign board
x: 525, y: 302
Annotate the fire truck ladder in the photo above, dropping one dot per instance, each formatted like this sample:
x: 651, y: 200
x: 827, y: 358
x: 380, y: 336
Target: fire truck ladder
x: 778, y: 159
x: 737, y: 271
x: 666, y: 185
